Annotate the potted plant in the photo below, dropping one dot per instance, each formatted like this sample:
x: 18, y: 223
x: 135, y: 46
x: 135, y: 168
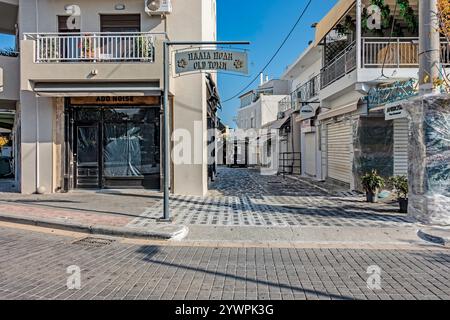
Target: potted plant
x: 400, y: 184
x: 372, y: 183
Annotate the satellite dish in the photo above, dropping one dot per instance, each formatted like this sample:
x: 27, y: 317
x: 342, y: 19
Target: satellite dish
x: 154, y: 5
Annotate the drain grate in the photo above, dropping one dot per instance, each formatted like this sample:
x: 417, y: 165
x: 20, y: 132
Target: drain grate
x: 93, y: 242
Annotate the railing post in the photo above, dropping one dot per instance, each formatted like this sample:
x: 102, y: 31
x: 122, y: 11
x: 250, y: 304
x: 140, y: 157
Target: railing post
x: 398, y: 52
x: 363, y: 52
x: 38, y: 50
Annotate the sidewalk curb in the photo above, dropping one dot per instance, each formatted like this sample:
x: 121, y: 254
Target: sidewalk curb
x: 157, y: 234
x: 431, y: 236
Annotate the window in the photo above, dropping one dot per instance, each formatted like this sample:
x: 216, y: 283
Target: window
x: 120, y: 22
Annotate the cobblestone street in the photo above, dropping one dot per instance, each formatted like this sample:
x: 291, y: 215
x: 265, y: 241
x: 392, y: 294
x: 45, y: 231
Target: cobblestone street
x: 33, y: 266
x: 242, y: 197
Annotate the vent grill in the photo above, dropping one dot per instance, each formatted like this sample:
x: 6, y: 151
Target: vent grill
x: 92, y: 242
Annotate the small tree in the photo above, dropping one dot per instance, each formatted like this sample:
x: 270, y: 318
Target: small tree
x: 444, y: 18
x: 443, y: 15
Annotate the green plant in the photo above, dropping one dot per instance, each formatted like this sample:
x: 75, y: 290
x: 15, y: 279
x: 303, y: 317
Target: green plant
x: 143, y: 47
x: 400, y: 185
x: 407, y: 13
x: 372, y: 182
x: 404, y: 9
x: 347, y: 27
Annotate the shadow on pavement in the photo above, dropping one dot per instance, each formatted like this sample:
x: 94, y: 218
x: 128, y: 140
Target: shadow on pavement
x: 149, y: 252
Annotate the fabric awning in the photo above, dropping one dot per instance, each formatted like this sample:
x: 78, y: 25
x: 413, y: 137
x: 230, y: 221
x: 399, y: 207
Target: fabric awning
x: 332, y: 19
x: 56, y: 89
x: 7, y: 120
x: 277, y: 124
x: 334, y: 112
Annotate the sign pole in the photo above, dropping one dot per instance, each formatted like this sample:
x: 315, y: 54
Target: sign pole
x: 166, y: 106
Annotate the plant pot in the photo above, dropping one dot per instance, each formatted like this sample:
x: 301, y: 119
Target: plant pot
x: 403, y: 205
x: 372, y: 196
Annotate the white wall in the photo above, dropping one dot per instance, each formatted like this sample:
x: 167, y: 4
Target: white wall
x: 190, y: 20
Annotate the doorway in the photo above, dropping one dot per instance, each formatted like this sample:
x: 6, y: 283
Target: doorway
x: 114, y: 147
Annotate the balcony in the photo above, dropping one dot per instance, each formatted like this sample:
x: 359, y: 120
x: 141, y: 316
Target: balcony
x: 91, y: 57
x: 397, y: 53
x: 303, y: 93
x: 93, y: 47
x: 344, y: 63
x: 378, y: 53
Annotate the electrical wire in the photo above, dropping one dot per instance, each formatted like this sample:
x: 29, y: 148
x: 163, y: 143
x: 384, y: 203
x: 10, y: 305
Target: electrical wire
x: 390, y: 39
x: 275, y: 54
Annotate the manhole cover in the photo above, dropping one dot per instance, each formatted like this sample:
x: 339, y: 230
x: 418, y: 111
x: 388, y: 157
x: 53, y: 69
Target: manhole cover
x: 93, y: 242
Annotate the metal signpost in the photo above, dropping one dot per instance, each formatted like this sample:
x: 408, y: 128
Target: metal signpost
x: 189, y: 61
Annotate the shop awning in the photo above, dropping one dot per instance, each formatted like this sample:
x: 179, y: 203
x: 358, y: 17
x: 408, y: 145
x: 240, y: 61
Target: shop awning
x: 334, y: 112
x: 56, y: 89
x: 332, y: 19
x: 7, y: 120
x: 277, y: 124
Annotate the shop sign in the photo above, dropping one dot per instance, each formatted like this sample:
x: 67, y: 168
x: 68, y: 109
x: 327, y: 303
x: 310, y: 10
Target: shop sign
x: 307, y: 112
x: 116, y: 100
x: 394, y: 111
x: 211, y: 60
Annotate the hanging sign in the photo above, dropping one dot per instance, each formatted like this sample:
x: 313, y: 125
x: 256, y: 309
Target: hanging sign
x: 394, y: 111
x: 308, y: 111
x: 211, y: 60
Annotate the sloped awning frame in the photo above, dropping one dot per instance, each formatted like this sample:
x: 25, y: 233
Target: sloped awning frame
x: 332, y: 19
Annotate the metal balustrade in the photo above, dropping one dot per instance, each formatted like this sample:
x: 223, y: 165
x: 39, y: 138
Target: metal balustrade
x: 397, y: 52
x: 379, y: 52
x: 304, y: 92
x: 344, y: 63
x: 93, y: 47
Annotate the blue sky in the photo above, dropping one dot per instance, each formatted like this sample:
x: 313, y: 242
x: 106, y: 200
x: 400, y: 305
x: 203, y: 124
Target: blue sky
x: 6, y: 41
x: 265, y: 24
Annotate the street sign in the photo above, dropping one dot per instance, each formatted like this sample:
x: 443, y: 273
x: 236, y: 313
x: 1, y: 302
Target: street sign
x: 195, y: 60
x: 211, y: 60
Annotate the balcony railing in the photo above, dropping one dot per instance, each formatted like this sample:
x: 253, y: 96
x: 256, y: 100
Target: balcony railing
x: 284, y: 104
x: 93, y: 47
x: 343, y: 64
x: 306, y: 91
x: 303, y: 93
x: 397, y: 52
x: 379, y: 52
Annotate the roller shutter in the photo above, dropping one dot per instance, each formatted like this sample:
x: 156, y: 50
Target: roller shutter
x: 401, y: 147
x: 339, y: 140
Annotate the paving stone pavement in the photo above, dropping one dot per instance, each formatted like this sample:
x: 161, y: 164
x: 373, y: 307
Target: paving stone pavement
x: 243, y: 197
x: 34, y: 266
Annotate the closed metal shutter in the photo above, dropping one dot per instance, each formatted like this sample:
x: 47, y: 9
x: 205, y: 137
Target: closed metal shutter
x: 310, y: 154
x: 401, y: 147
x: 339, y: 139
x: 120, y: 22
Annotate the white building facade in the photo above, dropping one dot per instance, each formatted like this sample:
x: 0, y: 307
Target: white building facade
x: 87, y: 86
x: 363, y: 74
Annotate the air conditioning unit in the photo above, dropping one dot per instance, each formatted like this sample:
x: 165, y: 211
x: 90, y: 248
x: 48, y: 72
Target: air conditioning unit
x: 158, y: 7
